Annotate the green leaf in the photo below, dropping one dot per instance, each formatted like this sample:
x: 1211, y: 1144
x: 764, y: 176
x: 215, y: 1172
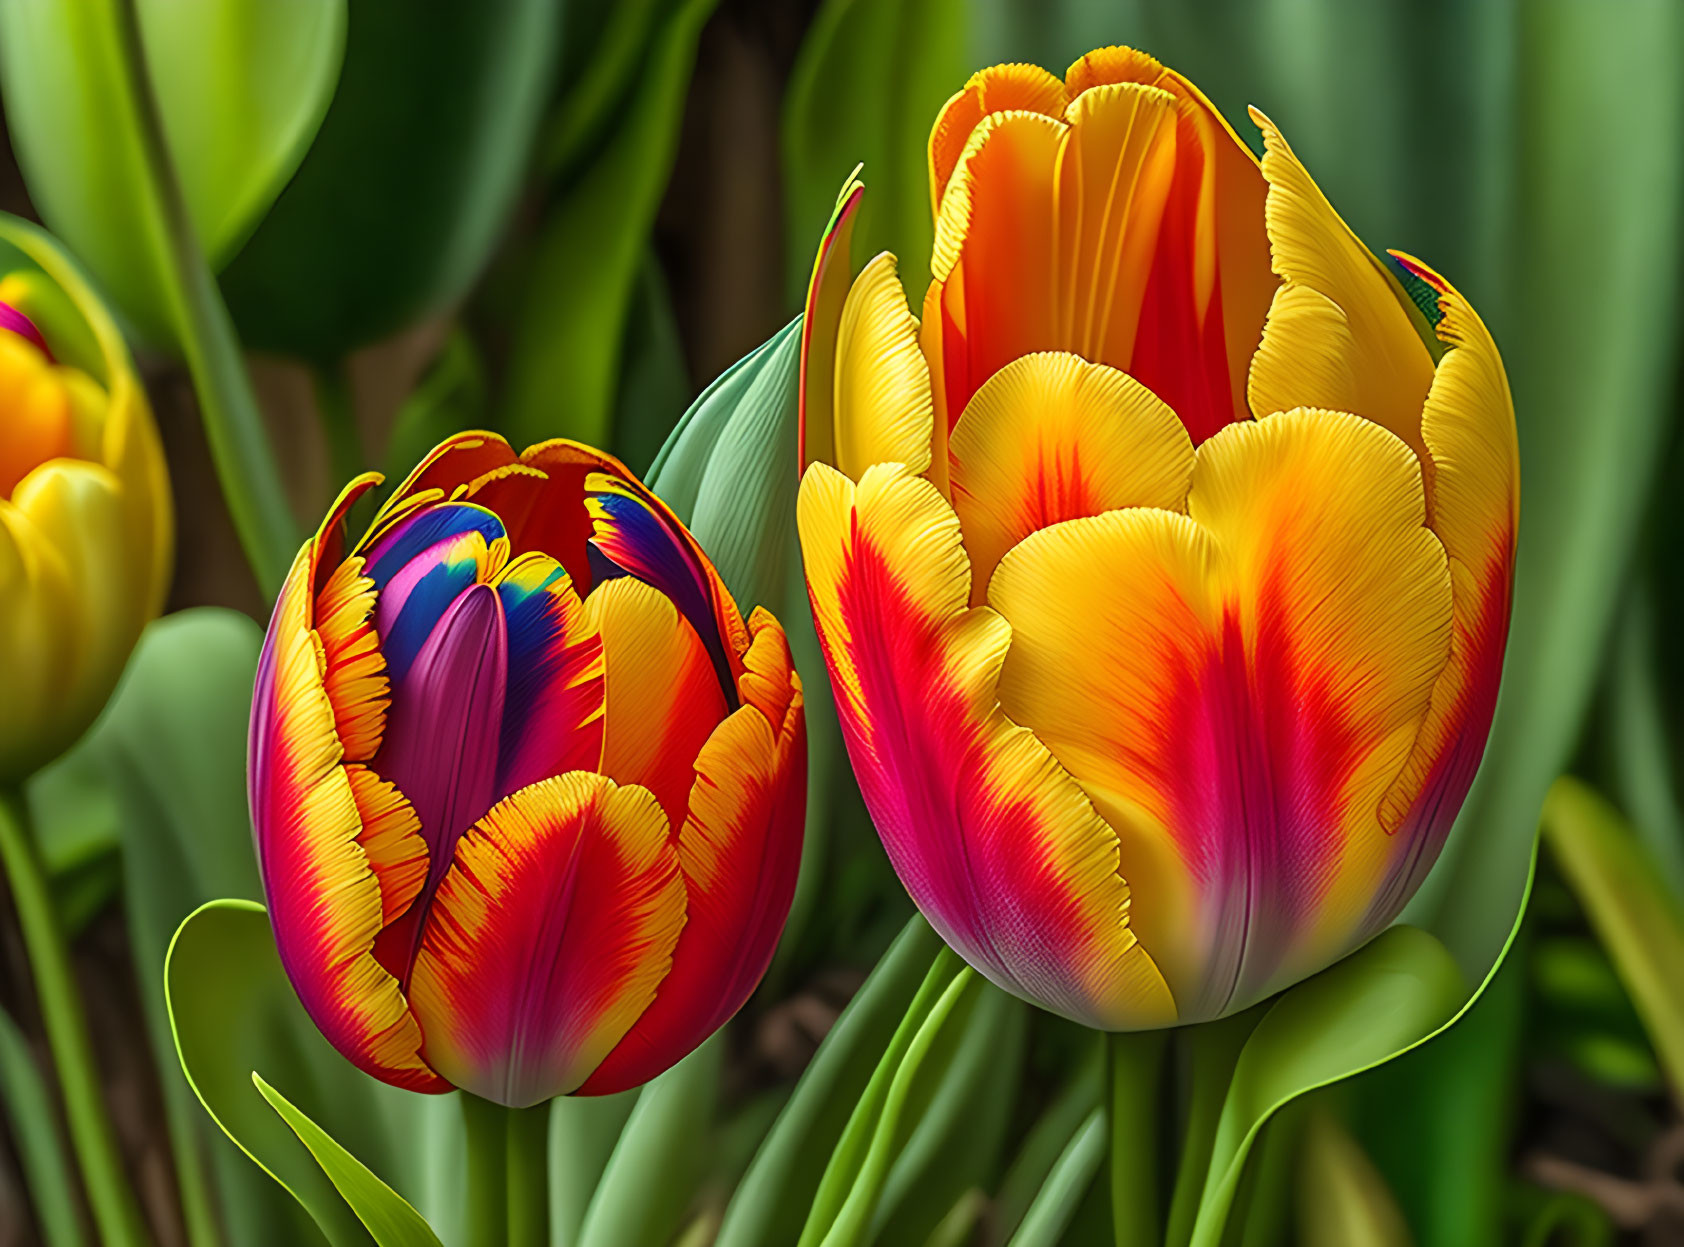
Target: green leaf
x: 388, y: 1216
x: 667, y: 1134
x: 1638, y: 921
x: 410, y: 183
x: 867, y: 85
x: 241, y: 88
x: 74, y: 814
x: 1357, y: 1013
x: 450, y: 398
x: 848, y: 1196
x: 1342, y: 1199
x: 228, y: 998
x: 584, y: 1130
x: 29, y: 1112
x: 771, y: 1202
x: 1057, y: 1200
x: 582, y: 276
x: 958, y: 1131
x: 1047, y: 1140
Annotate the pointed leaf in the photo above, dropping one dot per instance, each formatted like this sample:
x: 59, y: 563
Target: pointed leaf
x: 388, y: 1216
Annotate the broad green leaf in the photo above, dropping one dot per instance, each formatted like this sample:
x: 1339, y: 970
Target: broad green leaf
x: 602, y: 48
x: 581, y: 278
x: 1072, y: 1175
x: 1634, y: 915
x: 241, y: 88
x: 1342, y: 1199
x: 867, y: 85
x: 74, y: 813
x: 1357, y: 1013
x: 228, y: 999
x: 666, y: 1134
x: 409, y: 185
x: 388, y: 1216
x: 771, y: 1202
x: 31, y: 1118
x: 1642, y: 753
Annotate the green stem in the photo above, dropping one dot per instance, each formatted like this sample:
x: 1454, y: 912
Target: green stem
x: 336, y: 409
x: 1134, y: 1065
x: 488, y: 1187
x: 111, y: 1199
x: 529, y: 1176
x: 239, y: 444
x: 1211, y: 1050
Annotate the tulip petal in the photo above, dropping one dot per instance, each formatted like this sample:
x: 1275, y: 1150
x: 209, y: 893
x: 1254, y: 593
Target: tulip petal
x: 553, y: 706
x: 1339, y: 333
x: 634, y: 534
x: 548, y: 938
x: 661, y: 695
x: 1469, y: 431
x: 827, y: 289
x: 999, y: 848
x: 997, y: 89
x: 1052, y: 437
x: 325, y: 898
x: 740, y: 851
x: 884, y: 413
x: 1238, y: 713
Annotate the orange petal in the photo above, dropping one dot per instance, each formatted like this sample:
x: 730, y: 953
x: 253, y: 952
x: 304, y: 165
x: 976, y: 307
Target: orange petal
x: 661, y: 697
x: 997, y: 89
x: 740, y: 851
x: 548, y: 937
x: 1052, y: 437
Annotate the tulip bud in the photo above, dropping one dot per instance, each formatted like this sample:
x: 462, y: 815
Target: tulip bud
x: 1163, y: 567
x: 85, y: 519
x: 527, y: 789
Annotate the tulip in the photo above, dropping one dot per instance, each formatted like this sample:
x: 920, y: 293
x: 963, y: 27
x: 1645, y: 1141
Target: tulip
x: 1163, y: 568
x: 527, y: 791
x: 85, y: 519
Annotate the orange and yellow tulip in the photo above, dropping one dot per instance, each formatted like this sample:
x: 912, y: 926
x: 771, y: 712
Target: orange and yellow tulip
x: 527, y: 789
x: 85, y: 518
x: 1163, y: 567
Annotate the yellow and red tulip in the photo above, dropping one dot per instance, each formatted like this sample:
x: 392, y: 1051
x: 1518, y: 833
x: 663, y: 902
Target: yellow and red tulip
x: 528, y: 791
x: 85, y: 518
x: 1163, y: 567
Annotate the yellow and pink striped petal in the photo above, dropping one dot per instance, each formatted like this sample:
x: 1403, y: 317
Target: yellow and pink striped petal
x: 998, y: 846
x: 1237, y: 687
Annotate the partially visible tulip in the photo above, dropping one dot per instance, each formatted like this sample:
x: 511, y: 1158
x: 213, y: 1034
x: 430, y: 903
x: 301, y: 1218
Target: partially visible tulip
x: 85, y: 518
x: 1163, y: 570
x: 527, y: 790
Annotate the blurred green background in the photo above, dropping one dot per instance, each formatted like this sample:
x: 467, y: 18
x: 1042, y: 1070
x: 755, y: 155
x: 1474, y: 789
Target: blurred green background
x: 568, y: 218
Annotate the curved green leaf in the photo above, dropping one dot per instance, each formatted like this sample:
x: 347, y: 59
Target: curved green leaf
x: 410, y: 182
x: 1072, y: 1174
x: 1342, y: 1199
x: 771, y: 1202
x: 388, y: 1216
x: 1634, y: 915
x: 241, y: 88
x: 565, y: 362
x: 1357, y: 1013
x: 225, y: 990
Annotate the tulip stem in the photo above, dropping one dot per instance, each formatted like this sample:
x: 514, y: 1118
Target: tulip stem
x: 1134, y: 1064
x: 529, y: 1176
x: 488, y: 1153
x: 239, y: 443
x: 111, y: 1199
x: 1210, y: 1050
